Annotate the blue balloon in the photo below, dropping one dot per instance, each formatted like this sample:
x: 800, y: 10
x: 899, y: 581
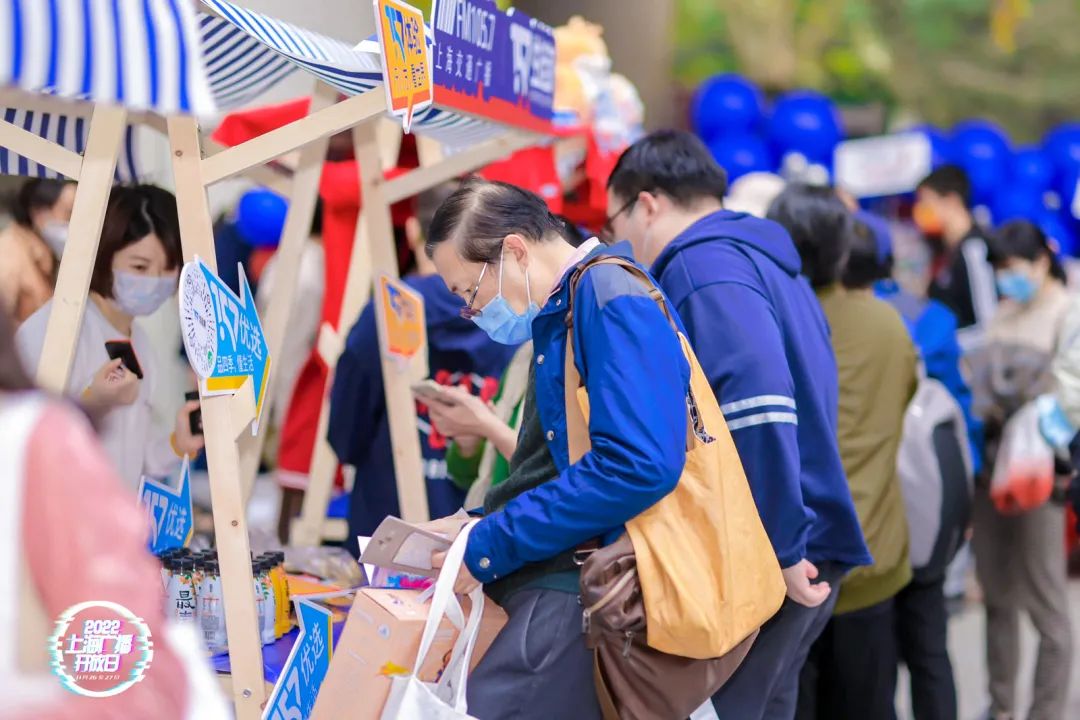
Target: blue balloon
x: 982, y: 149
x: 1060, y: 230
x: 940, y: 145
x: 725, y: 103
x: 805, y: 122
x: 1032, y: 170
x: 1062, y: 146
x: 260, y: 218
x: 1016, y: 204
x: 741, y: 154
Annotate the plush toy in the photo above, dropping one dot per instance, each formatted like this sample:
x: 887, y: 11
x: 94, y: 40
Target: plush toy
x: 582, y: 67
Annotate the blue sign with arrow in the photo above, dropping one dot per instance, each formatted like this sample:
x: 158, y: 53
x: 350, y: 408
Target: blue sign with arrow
x: 298, y: 685
x: 222, y: 334
x: 169, y: 510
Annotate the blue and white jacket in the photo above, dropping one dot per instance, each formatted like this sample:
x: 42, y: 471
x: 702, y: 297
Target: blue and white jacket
x: 637, y: 377
x: 763, y: 341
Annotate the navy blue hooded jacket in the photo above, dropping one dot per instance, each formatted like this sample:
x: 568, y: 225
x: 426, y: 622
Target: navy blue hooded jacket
x: 459, y: 353
x: 763, y: 342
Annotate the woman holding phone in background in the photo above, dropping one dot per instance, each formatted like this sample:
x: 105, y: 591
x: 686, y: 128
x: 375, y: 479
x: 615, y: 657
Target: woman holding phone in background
x: 114, y: 369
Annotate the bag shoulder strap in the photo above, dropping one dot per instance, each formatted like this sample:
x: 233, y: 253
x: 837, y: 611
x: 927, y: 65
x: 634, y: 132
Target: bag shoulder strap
x: 639, y: 274
x: 577, y: 429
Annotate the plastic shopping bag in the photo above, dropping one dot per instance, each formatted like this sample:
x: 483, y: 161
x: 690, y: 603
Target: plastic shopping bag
x: 1024, y: 469
x: 411, y: 698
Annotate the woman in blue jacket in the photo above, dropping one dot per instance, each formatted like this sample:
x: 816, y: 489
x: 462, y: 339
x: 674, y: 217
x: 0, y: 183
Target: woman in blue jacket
x: 501, y: 250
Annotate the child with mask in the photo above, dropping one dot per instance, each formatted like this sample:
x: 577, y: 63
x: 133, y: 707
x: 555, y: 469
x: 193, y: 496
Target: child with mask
x: 136, y: 271
x: 1020, y: 558
x: 31, y: 246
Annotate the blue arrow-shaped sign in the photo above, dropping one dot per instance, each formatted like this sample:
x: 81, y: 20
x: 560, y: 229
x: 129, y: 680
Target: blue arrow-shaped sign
x: 222, y: 334
x: 298, y: 685
x: 169, y: 510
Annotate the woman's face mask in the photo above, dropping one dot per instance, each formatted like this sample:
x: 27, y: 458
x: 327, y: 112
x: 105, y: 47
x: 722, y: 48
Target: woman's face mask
x: 500, y: 321
x: 1021, y: 279
x: 141, y: 294
x: 55, y: 235
x: 142, y: 278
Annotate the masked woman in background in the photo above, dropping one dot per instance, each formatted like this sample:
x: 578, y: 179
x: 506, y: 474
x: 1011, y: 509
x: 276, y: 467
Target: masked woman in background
x: 1020, y: 556
x: 30, y: 248
x: 136, y: 271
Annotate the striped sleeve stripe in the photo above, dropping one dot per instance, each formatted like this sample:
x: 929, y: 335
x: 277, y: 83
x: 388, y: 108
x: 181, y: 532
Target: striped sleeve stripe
x: 765, y: 418
x: 739, y: 406
x: 143, y: 54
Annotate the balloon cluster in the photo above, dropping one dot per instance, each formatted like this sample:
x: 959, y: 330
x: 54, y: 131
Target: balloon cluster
x: 795, y: 135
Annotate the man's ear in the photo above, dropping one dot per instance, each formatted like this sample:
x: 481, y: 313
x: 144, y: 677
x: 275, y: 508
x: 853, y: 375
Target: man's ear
x: 413, y: 235
x: 650, y: 204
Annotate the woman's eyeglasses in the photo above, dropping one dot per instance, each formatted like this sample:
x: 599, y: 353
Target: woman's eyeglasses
x: 469, y: 312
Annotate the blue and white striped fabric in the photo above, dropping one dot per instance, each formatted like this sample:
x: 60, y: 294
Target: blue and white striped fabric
x: 70, y: 132
x: 143, y: 54
x: 352, y: 70
x: 760, y: 410
x: 238, y: 67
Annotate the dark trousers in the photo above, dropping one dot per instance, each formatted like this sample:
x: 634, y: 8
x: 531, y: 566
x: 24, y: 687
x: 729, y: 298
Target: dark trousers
x: 538, y: 668
x: 922, y: 639
x: 850, y: 673
x: 766, y: 685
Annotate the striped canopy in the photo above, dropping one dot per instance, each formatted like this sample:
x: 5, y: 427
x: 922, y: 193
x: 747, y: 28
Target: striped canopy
x: 160, y: 56
x: 142, y: 54
x: 352, y: 70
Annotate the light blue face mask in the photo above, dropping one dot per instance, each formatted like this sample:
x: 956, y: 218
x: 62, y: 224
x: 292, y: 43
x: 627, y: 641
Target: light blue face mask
x: 499, y: 320
x: 1016, y: 286
x: 141, y: 294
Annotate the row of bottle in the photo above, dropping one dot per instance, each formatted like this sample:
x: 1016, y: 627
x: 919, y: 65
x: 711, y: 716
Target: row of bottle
x: 192, y: 586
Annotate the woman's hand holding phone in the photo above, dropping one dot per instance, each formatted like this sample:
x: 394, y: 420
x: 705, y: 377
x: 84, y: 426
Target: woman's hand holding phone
x: 186, y: 442
x: 113, y: 385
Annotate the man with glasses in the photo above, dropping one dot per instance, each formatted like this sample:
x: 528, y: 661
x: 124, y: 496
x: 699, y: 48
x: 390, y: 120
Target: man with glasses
x: 762, y: 339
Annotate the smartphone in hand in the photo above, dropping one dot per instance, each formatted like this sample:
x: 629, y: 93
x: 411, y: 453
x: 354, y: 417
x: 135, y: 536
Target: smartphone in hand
x: 123, y: 351
x: 195, y: 416
x: 429, y: 390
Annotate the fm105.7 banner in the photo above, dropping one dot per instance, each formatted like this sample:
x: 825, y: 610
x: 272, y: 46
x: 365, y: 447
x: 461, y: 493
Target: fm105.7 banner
x: 497, y: 65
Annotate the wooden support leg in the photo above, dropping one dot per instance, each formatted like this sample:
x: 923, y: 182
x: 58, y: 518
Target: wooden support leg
x: 224, y: 417
x: 73, y: 281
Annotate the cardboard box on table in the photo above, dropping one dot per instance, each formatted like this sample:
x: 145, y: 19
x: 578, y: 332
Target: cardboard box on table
x: 380, y: 639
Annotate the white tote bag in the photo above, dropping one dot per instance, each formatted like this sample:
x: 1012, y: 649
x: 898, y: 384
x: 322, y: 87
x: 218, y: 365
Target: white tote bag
x: 411, y: 698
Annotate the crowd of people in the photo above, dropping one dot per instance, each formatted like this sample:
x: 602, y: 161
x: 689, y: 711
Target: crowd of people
x: 815, y: 353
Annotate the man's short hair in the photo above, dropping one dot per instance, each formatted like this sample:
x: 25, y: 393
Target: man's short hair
x: 949, y: 180
x: 672, y: 162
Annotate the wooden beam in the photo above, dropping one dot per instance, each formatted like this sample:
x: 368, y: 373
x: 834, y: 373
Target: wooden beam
x: 196, y: 225
x: 390, y: 136
x: 257, y: 151
x: 39, y: 103
x: 44, y: 152
x: 103, y: 143
x: 224, y: 417
x: 270, y: 176
x: 422, y: 178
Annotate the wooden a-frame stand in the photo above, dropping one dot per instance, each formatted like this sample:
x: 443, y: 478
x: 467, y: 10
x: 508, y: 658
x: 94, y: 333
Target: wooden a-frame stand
x: 232, y: 453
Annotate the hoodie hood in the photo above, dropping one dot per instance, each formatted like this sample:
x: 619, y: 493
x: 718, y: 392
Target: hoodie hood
x: 764, y: 236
